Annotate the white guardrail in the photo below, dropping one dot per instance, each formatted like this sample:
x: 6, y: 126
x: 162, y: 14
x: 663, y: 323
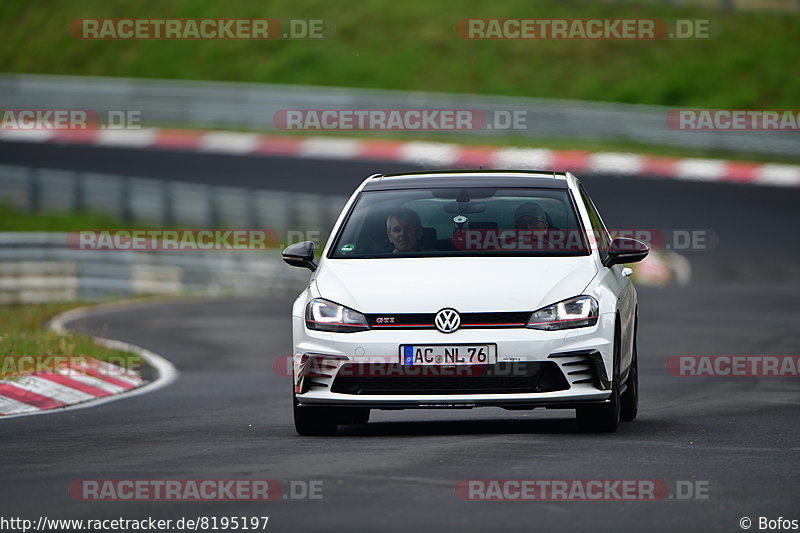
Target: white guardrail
x: 40, y: 267
x: 37, y: 267
x: 167, y: 203
x: 787, y: 6
x: 251, y: 106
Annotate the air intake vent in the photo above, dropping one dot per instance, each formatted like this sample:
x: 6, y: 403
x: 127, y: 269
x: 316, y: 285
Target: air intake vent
x: 583, y: 366
x: 501, y: 378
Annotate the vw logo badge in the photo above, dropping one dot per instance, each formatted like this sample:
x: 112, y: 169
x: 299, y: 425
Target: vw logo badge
x: 447, y: 320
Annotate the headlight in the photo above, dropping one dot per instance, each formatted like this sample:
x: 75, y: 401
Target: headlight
x: 577, y: 312
x: 323, y: 315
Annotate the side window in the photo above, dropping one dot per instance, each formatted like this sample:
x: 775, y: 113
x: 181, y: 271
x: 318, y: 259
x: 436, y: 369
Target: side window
x: 598, y: 228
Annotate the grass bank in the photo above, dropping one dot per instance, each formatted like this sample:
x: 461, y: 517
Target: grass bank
x: 413, y: 45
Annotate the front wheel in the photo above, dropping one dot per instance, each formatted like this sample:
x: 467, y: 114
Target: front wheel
x: 629, y: 401
x: 356, y: 416
x: 602, y: 418
x: 313, y: 421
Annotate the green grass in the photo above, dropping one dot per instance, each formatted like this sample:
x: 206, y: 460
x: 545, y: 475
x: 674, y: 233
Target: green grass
x: 17, y: 220
x: 22, y: 333
x: 12, y: 219
x: 412, y: 45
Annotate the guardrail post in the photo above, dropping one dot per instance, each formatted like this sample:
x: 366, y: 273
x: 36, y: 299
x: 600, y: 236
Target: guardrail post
x: 34, y: 191
x: 213, y: 207
x: 125, y: 211
x: 252, y: 212
x: 167, y: 204
x: 78, y: 193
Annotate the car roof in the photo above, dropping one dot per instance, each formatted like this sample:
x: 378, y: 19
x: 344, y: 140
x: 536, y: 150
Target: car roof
x: 468, y: 178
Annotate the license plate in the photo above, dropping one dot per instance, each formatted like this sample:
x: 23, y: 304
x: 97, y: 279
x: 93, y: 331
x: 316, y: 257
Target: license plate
x: 448, y: 354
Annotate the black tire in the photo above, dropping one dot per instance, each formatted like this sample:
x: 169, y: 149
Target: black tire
x: 314, y: 421
x: 604, y: 417
x: 355, y: 416
x: 600, y: 418
x: 629, y: 401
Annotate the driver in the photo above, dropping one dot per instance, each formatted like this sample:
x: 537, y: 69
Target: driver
x: 531, y: 216
x: 404, y: 230
x: 532, y: 226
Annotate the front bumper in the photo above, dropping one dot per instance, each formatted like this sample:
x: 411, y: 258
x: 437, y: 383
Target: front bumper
x: 583, y: 356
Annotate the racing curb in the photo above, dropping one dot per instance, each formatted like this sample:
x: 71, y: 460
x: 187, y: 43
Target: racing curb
x: 424, y: 153
x: 165, y: 371
x: 661, y: 268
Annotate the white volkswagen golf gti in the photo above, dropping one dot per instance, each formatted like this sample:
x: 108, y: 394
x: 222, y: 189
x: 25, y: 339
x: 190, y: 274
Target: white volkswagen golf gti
x: 459, y: 289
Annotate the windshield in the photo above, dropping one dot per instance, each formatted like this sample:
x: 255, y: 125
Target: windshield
x: 460, y: 222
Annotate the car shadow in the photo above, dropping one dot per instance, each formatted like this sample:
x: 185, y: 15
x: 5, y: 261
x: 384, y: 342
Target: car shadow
x: 652, y: 428
x: 462, y: 427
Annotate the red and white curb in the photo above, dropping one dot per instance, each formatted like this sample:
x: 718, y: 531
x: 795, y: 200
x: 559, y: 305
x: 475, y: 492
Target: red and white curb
x: 662, y: 267
x: 80, y: 385
x: 425, y: 153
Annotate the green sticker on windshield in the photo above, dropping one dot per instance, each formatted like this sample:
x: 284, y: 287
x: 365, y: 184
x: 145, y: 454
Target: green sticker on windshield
x: 348, y: 247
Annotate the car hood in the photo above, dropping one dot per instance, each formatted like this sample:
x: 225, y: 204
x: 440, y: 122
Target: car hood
x: 467, y: 284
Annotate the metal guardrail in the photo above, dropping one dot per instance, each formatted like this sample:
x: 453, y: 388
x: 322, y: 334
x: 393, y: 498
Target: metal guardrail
x: 788, y: 6
x: 167, y: 203
x: 251, y: 106
x: 38, y: 267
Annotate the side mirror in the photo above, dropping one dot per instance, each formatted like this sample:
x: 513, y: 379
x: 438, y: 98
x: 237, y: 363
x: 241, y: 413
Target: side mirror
x: 626, y: 251
x: 300, y: 254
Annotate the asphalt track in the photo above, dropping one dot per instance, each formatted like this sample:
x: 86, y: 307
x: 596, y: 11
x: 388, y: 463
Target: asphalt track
x: 229, y: 414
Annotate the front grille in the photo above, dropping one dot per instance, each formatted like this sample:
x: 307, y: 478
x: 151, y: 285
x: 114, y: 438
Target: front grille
x: 500, y: 378
x: 503, y: 319
x: 405, y: 320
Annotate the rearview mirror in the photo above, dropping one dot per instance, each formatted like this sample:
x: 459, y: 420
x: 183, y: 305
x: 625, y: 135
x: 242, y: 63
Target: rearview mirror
x: 300, y: 254
x: 464, y: 208
x: 625, y: 250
